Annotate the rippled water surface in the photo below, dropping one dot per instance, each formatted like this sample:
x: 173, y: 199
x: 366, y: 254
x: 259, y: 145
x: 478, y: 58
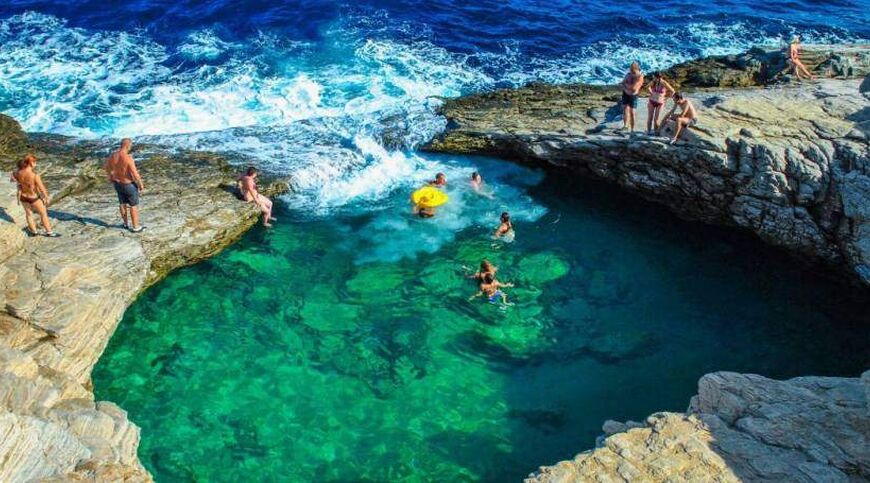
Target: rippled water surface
x: 345, y: 348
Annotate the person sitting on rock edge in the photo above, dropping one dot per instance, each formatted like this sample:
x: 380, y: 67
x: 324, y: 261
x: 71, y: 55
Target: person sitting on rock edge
x: 248, y: 187
x: 122, y: 173
x: 631, y: 86
x: 32, y: 195
x: 687, y: 117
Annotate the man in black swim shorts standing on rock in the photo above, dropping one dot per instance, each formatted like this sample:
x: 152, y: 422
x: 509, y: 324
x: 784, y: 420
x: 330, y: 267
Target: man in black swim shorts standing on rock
x: 122, y: 173
x: 631, y: 86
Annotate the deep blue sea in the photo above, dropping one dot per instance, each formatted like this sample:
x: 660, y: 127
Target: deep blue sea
x: 306, y: 87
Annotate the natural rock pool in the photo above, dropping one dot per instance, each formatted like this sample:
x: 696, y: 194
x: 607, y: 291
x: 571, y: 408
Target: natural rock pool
x: 341, y: 344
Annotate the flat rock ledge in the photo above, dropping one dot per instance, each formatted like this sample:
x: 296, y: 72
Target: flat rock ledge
x: 739, y: 428
x: 61, y: 299
x: 788, y: 161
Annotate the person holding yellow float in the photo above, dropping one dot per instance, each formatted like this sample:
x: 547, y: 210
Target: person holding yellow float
x: 428, y: 198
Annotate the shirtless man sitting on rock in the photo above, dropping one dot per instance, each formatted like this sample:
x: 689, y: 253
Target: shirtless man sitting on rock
x: 687, y: 117
x: 122, y: 173
x: 250, y: 193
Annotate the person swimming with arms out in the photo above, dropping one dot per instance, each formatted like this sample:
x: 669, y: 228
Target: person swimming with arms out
x: 478, y: 186
x: 505, y: 230
x: 491, y: 287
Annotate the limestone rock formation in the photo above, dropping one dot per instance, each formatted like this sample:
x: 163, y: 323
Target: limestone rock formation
x: 740, y: 428
x: 789, y: 163
x: 763, y: 66
x: 61, y: 299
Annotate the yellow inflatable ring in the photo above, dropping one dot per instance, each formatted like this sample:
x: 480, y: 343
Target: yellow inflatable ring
x: 429, y: 197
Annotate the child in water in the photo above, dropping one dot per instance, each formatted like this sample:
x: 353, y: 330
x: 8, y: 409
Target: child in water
x: 506, y: 229
x: 491, y: 287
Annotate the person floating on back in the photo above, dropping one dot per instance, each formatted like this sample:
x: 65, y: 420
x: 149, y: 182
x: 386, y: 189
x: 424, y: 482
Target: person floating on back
x: 248, y: 187
x: 687, y: 117
x: 122, y: 173
x: 631, y: 86
x: 505, y: 229
x: 32, y: 195
x: 794, y: 60
x: 659, y: 92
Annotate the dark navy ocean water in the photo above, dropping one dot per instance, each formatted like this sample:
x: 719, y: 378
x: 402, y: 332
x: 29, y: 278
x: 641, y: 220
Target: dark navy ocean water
x: 341, y: 345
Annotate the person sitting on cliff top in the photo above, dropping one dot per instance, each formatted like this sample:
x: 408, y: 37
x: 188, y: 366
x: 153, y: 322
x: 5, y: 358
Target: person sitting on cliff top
x: 687, y: 117
x: 248, y: 187
x: 794, y: 60
x: 32, y: 195
x: 631, y: 86
x: 659, y: 92
x: 122, y: 173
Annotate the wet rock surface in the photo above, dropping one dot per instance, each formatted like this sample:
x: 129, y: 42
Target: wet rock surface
x: 790, y: 162
x: 61, y: 298
x: 739, y: 428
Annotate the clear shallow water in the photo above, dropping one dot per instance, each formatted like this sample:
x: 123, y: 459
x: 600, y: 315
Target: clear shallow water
x: 310, y: 352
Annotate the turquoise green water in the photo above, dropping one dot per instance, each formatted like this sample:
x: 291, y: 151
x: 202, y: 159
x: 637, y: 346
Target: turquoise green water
x: 342, y: 346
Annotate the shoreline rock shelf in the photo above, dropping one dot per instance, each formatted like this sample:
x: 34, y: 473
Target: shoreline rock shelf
x: 790, y: 163
x: 739, y: 428
x: 61, y: 299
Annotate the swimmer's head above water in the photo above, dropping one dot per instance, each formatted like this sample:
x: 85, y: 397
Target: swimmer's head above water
x: 440, y: 180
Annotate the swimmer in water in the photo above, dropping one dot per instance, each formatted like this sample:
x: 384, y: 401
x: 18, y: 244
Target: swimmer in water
x: 477, y: 185
x: 485, y: 267
x: 439, y: 181
x: 505, y: 229
x: 491, y: 287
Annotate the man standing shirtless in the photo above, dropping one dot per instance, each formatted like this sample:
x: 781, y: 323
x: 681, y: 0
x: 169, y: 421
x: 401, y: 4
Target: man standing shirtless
x: 686, y: 118
x: 122, y: 173
x: 631, y: 85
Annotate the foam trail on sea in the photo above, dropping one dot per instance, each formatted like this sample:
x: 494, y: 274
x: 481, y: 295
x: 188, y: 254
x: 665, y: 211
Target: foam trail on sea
x: 341, y: 117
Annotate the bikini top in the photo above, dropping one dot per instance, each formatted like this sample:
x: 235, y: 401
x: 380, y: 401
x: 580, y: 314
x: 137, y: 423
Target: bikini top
x: 657, y: 93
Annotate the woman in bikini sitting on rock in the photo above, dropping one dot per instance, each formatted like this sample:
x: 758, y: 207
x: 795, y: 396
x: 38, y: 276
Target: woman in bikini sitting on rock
x: 32, y: 195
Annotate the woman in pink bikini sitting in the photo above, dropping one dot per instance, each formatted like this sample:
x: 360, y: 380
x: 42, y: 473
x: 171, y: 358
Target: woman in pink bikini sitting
x: 659, y: 92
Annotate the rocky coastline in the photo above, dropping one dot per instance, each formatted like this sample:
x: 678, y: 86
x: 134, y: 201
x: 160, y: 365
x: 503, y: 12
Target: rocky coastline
x: 803, y: 185
x: 61, y: 299
x: 787, y: 161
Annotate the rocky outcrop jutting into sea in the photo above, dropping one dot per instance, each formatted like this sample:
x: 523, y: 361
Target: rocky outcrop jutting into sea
x: 790, y: 162
x: 739, y: 428
x: 61, y: 299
